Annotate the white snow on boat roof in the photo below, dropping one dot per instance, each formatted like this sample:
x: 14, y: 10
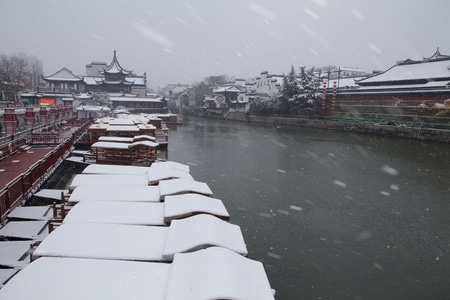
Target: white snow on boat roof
x: 141, y: 243
x: 122, y: 128
x: 104, y: 241
x: 115, y: 193
x: 117, y: 212
x: 5, y: 275
x: 110, y: 145
x: 12, y: 253
x: 170, y: 164
x: 50, y: 193
x: 213, y: 273
x: 179, y: 206
x: 142, y: 213
x: 119, y: 169
x: 122, y: 145
x: 154, y: 174
x: 114, y: 169
x: 146, y: 126
x: 99, y: 126
x: 126, y: 139
x: 183, y: 186
x: 144, y: 143
x: 24, y: 229
x: 202, y: 231
x: 121, y: 121
x: 88, y: 279
x: 144, y: 137
x: 31, y: 213
x: 115, y: 139
x: 110, y: 180
x: 217, y: 273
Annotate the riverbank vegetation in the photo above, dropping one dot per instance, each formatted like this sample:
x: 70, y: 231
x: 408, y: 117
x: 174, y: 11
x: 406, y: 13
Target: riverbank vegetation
x: 298, y: 96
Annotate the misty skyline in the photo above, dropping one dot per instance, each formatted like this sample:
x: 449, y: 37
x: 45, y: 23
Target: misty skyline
x: 186, y: 41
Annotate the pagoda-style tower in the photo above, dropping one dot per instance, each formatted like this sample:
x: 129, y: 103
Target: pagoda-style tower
x: 115, y: 78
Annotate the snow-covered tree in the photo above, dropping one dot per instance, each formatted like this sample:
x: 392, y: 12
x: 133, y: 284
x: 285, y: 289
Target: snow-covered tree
x: 298, y: 93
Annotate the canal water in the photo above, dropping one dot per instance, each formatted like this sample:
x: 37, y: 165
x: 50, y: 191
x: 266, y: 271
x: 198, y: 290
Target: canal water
x: 331, y: 215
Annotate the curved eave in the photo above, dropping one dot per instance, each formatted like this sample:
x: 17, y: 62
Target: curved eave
x: 123, y: 72
x: 52, y: 79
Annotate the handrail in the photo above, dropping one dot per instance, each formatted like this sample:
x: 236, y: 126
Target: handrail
x: 20, y: 188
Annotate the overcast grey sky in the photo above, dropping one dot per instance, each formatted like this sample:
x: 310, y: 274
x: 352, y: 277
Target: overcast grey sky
x: 182, y: 41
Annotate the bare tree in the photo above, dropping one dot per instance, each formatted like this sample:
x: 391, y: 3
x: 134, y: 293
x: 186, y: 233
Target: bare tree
x: 12, y: 76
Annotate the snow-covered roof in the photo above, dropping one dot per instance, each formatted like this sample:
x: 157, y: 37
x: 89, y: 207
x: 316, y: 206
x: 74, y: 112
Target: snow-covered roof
x: 144, y: 143
x: 83, y: 96
x: 117, y: 212
x: 146, y: 126
x: 115, y: 139
x: 117, y: 169
x: 64, y: 75
x: 184, y: 205
x: 121, y: 122
x: 123, y: 146
x: 213, y: 273
x: 31, y: 213
x: 115, y: 68
x: 122, y: 128
x: 217, y: 273
x: 25, y: 230
x: 412, y: 71
x: 155, y: 176
x: 229, y: 89
x: 114, y: 169
x: 91, y: 80
x: 140, y: 243
x: 92, y: 108
x: 98, y: 126
x: 88, y: 279
x: 108, y: 180
x: 110, y: 145
x: 6, y: 274
x: 134, y: 99
x: 144, y: 137
x: 146, y: 213
x: 170, y: 164
x: 12, y: 252
x: 115, y: 193
x: 50, y: 193
x: 182, y: 186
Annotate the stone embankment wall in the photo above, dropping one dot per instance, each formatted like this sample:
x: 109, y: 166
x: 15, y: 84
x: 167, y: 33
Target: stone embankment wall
x: 423, y: 134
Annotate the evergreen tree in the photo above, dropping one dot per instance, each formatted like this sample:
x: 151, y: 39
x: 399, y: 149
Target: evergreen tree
x: 289, y: 90
x: 305, y: 99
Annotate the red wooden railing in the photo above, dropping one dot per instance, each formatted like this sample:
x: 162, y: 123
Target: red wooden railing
x: 21, y: 187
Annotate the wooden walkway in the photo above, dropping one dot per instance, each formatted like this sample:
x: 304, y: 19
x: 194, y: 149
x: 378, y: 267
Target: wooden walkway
x: 18, y: 163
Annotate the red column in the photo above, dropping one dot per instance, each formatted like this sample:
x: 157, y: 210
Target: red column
x: 9, y: 118
x: 52, y: 114
x: 60, y: 112
x: 324, y: 98
x: 43, y: 114
x: 29, y: 117
x: 333, y: 100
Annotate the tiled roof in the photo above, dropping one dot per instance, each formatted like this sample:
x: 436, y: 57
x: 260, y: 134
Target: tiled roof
x: 63, y: 75
x: 435, y: 68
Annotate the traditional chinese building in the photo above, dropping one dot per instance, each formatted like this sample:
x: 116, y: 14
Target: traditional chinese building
x: 409, y: 88
x: 113, y: 78
x: 121, y: 86
x: 64, y: 80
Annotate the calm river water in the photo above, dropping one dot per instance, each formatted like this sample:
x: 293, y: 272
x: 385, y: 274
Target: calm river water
x: 331, y: 215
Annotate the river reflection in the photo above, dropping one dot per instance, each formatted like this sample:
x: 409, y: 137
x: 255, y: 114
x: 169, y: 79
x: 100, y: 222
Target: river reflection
x: 331, y: 215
